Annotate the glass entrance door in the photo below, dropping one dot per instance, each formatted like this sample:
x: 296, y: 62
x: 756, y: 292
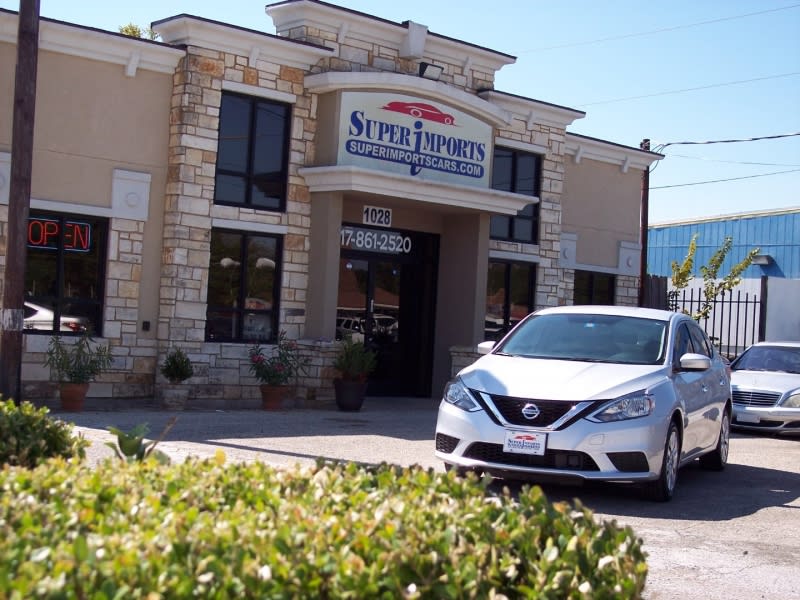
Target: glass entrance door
x: 388, y: 303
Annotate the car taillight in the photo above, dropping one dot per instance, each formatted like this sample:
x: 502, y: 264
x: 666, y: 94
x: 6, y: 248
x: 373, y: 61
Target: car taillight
x: 75, y: 326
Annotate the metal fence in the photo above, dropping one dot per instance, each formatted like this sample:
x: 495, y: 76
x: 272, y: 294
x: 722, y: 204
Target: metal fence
x: 734, y: 321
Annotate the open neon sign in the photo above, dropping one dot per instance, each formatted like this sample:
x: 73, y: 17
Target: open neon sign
x: 50, y: 234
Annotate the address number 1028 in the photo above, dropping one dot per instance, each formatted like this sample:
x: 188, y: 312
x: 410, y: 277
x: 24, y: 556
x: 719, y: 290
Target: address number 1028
x: 375, y: 215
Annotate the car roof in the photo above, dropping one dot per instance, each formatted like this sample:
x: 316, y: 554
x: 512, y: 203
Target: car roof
x: 623, y: 311
x: 785, y: 344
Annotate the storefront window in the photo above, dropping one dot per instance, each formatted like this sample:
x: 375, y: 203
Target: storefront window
x: 518, y: 172
x: 593, y: 288
x: 243, y: 287
x: 509, y: 296
x: 252, y: 153
x: 64, y: 273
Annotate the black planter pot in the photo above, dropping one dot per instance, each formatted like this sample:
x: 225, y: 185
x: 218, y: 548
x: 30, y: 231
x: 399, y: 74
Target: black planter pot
x: 349, y: 394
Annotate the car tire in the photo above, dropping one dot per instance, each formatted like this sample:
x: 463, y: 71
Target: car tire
x: 718, y: 458
x: 661, y: 489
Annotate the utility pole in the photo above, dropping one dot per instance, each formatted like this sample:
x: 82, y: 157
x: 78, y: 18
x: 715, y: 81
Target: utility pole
x: 644, y: 223
x: 19, y: 200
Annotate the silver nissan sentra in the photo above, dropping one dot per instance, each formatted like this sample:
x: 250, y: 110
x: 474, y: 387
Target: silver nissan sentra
x: 604, y: 393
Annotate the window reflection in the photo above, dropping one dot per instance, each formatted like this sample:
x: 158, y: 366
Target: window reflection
x: 244, y: 287
x: 509, y: 296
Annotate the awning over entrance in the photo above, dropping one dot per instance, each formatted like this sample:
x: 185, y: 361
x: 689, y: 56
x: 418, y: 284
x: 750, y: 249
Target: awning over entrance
x: 357, y: 179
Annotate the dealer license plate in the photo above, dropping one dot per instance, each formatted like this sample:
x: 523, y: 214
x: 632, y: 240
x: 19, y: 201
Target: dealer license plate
x: 525, y: 442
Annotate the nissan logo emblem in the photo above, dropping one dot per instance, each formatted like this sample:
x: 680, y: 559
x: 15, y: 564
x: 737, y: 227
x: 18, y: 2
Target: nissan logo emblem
x: 530, y: 411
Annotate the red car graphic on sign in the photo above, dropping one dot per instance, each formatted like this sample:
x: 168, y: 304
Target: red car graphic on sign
x: 421, y: 110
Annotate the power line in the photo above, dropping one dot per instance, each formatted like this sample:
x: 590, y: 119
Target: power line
x: 661, y: 187
x: 692, y: 89
x: 652, y: 31
x: 659, y: 147
x: 733, y: 162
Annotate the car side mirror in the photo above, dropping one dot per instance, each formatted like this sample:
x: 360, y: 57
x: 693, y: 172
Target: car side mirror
x: 485, y: 347
x: 695, y: 362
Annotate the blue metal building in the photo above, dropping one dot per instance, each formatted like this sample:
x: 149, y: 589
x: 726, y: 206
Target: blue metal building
x: 775, y: 232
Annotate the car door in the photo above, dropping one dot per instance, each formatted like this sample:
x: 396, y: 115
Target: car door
x: 691, y: 389
x: 716, y: 383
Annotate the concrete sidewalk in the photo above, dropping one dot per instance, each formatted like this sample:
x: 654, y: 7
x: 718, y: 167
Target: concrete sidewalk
x: 394, y: 430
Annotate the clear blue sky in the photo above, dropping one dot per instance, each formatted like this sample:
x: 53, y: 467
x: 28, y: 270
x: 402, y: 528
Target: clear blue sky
x: 624, y: 63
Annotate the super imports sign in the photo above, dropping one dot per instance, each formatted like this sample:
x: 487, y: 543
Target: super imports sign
x: 405, y: 135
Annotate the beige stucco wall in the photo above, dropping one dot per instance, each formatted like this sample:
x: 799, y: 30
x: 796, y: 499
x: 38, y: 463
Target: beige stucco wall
x: 90, y: 119
x: 600, y: 204
x: 8, y: 59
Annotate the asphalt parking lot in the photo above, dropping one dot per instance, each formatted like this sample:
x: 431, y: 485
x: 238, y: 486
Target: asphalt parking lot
x: 734, y: 534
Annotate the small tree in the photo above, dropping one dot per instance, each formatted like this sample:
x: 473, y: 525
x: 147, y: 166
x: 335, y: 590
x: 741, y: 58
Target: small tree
x: 712, y: 287
x: 133, y: 30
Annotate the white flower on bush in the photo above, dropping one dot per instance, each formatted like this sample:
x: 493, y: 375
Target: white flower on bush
x: 605, y: 561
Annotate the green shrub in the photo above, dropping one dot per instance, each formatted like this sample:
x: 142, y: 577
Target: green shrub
x: 209, y: 530
x: 28, y: 436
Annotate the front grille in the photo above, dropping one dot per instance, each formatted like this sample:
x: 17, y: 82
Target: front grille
x: 755, y: 398
x: 550, y: 411
x: 629, y: 462
x: 445, y: 443
x: 552, y: 459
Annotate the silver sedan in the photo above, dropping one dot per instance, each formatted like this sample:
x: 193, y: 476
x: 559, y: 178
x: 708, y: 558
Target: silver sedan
x: 590, y: 393
x: 766, y: 388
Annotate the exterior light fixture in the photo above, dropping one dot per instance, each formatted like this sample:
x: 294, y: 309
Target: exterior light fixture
x: 763, y: 260
x: 430, y: 71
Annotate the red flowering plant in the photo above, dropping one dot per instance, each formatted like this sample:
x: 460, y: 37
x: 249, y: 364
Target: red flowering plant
x: 282, y: 366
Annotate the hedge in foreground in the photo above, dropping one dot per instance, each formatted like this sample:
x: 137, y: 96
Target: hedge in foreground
x: 210, y: 530
x: 28, y: 436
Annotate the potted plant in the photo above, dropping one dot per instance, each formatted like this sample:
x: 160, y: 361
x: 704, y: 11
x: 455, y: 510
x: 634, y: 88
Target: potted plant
x: 354, y: 362
x: 274, y: 372
x: 176, y: 368
x: 75, y: 365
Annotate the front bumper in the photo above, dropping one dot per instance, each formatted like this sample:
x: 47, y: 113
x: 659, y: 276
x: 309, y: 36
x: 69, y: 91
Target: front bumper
x: 626, y: 451
x: 773, y: 419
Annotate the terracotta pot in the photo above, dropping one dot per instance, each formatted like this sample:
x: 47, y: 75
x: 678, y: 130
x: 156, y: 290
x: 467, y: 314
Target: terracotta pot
x: 349, y: 394
x: 272, y: 396
x: 72, y: 395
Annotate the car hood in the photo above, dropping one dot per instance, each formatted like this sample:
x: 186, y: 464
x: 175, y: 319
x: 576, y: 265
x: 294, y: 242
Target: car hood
x: 765, y: 380
x: 557, y: 379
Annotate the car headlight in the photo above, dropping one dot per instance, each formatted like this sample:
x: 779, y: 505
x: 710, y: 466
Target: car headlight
x: 793, y: 401
x: 457, y: 394
x: 631, y: 406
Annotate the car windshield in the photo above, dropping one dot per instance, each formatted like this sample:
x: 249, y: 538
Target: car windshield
x: 588, y: 337
x: 769, y: 358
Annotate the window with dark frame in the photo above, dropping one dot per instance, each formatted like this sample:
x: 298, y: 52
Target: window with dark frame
x: 518, y: 172
x: 65, y: 273
x: 243, y: 287
x: 253, y: 152
x: 510, y: 289
x: 594, y: 288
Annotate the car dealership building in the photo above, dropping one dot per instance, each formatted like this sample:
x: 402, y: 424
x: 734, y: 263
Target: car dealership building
x: 221, y: 185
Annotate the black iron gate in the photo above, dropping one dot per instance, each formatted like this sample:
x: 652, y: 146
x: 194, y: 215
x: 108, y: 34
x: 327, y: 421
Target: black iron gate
x: 736, y: 319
